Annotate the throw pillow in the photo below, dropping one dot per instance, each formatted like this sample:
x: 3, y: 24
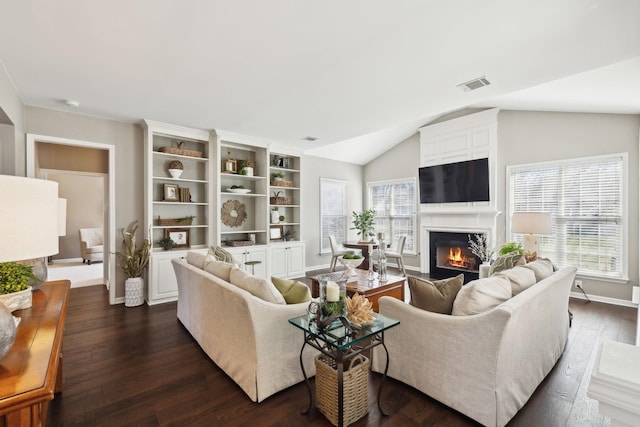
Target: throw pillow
x: 520, y: 278
x: 218, y: 268
x: 481, y: 295
x: 434, y: 295
x: 505, y: 262
x: 293, y: 291
x: 222, y: 254
x: 259, y: 287
x: 196, y: 259
x: 542, y: 268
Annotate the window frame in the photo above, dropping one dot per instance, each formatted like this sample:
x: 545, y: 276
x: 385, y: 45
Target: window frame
x: 414, y: 231
x: 327, y: 249
x: 624, y: 219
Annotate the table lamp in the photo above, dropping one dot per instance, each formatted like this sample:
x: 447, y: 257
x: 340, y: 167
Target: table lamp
x: 29, y: 229
x: 531, y: 224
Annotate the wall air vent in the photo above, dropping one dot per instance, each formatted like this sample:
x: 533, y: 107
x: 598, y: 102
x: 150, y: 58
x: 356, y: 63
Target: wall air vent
x: 474, y: 84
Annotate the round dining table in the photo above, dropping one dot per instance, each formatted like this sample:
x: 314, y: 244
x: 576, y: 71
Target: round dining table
x: 366, y: 248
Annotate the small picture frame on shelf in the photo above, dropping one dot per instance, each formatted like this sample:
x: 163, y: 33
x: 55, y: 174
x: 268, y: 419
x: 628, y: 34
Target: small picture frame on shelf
x: 179, y: 235
x: 171, y: 193
x: 275, y: 232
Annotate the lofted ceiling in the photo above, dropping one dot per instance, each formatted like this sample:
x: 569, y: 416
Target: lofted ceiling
x: 359, y: 75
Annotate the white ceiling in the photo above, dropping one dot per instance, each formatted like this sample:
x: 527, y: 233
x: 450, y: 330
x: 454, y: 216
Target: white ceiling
x: 360, y: 75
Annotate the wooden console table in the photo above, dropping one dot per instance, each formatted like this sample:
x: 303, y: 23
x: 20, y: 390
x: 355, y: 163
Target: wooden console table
x: 31, y: 372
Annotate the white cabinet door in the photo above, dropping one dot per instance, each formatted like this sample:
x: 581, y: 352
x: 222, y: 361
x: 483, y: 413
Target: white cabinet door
x: 278, y: 265
x: 163, y: 286
x: 251, y: 253
x: 295, y: 260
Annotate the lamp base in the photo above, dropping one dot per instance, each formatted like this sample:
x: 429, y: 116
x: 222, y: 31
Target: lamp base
x: 530, y: 243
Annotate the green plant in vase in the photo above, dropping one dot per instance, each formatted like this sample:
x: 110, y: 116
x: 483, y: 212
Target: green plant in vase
x: 363, y: 222
x: 511, y: 247
x: 15, y: 277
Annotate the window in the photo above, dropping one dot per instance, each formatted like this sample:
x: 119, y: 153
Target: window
x: 586, y: 199
x: 334, y: 211
x: 394, y: 203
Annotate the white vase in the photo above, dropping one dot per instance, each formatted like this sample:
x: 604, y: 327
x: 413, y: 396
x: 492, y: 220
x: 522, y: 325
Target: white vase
x: 484, y: 270
x: 17, y: 300
x: 133, y: 291
x: 275, y: 217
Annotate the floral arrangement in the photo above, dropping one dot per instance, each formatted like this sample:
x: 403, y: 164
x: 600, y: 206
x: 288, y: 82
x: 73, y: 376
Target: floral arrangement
x: 133, y: 260
x: 479, y: 246
x: 15, y: 277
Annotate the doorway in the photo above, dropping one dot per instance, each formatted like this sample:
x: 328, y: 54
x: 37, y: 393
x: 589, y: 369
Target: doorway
x: 99, y: 160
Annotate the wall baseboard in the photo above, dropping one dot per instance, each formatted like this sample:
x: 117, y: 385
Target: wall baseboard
x: 606, y: 300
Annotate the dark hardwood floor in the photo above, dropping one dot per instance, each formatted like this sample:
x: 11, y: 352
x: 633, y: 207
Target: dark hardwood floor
x: 139, y: 367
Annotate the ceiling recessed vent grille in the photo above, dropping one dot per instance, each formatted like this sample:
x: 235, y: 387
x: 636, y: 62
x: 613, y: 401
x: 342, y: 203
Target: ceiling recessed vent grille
x: 474, y: 84
x: 309, y: 138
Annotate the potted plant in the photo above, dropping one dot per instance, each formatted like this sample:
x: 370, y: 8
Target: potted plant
x: 15, y: 292
x: 363, y: 222
x: 511, y: 247
x: 288, y: 235
x: 277, y: 176
x: 275, y: 215
x: 133, y: 260
x: 167, y: 243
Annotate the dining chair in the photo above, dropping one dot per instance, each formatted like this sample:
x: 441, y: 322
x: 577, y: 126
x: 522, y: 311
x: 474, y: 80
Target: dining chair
x: 336, y: 251
x: 397, y: 254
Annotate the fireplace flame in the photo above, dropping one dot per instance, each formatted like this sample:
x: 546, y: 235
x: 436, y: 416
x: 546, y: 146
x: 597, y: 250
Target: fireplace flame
x: 456, y: 259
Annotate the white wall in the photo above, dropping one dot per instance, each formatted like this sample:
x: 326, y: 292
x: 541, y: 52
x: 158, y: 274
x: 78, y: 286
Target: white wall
x: 12, y: 137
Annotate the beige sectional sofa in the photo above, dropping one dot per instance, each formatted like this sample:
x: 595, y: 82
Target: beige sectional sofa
x: 247, y: 336
x: 484, y: 365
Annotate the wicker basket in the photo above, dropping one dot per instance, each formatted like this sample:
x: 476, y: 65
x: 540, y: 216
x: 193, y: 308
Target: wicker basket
x: 180, y: 151
x: 355, y: 389
x: 277, y: 199
x: 175, y: 221
x: 281, y: 183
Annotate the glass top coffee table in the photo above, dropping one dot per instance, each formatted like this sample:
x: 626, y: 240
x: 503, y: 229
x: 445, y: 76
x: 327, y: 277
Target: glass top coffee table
x: 341, y: 342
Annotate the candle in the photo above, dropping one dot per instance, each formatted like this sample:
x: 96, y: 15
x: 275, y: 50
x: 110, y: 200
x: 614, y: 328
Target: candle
x: 333, y: 292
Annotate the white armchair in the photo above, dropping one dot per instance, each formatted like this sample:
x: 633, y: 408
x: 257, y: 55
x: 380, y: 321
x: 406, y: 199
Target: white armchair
x: 91, y: 244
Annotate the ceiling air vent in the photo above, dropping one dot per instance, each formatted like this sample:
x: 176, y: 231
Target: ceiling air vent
x: 474, y: 84
x: 309, y: 138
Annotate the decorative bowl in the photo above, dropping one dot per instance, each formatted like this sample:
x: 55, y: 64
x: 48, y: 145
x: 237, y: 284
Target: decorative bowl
x: 175, y: 173
x: 351, y: 264
x: 239, y: 190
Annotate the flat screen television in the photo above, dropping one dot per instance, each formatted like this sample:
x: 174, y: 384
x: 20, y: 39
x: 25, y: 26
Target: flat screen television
x: 466, y: 181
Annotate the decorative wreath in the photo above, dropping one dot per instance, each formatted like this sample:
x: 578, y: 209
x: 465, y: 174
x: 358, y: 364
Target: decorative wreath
x: 233, y: 213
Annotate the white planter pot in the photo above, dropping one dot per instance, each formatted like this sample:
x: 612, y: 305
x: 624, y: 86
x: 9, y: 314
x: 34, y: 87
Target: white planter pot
x: 275, y: 217
x: 484, y: 270
x: 134, y: 292
x: 17, y: 300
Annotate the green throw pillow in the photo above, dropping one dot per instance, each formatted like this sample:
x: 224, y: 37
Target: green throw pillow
x: 294, y: 292
x: 505, y: 262
x: 435, y: 295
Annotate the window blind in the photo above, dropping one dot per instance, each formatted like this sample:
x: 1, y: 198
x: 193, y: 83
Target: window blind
x: 586, y: 200
x: 394, y: 203
x: 334, y: 211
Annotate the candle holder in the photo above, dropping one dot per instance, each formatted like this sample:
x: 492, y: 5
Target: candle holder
x: 333, y: 291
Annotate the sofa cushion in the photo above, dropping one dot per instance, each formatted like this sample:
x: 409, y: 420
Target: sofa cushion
x: 196, y: 259
x: 505, y: 262
x: 218, y: 268
x: 520, y: 278
x: 259, y: 287
x: 293, y: 291
x: 434, y: 295
x: 222, y: 254
x: 542, y: 268
x: 481, y: 295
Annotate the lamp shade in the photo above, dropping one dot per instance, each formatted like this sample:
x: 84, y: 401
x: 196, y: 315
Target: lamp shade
x: 28, y: 218
x: 531, y: 222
